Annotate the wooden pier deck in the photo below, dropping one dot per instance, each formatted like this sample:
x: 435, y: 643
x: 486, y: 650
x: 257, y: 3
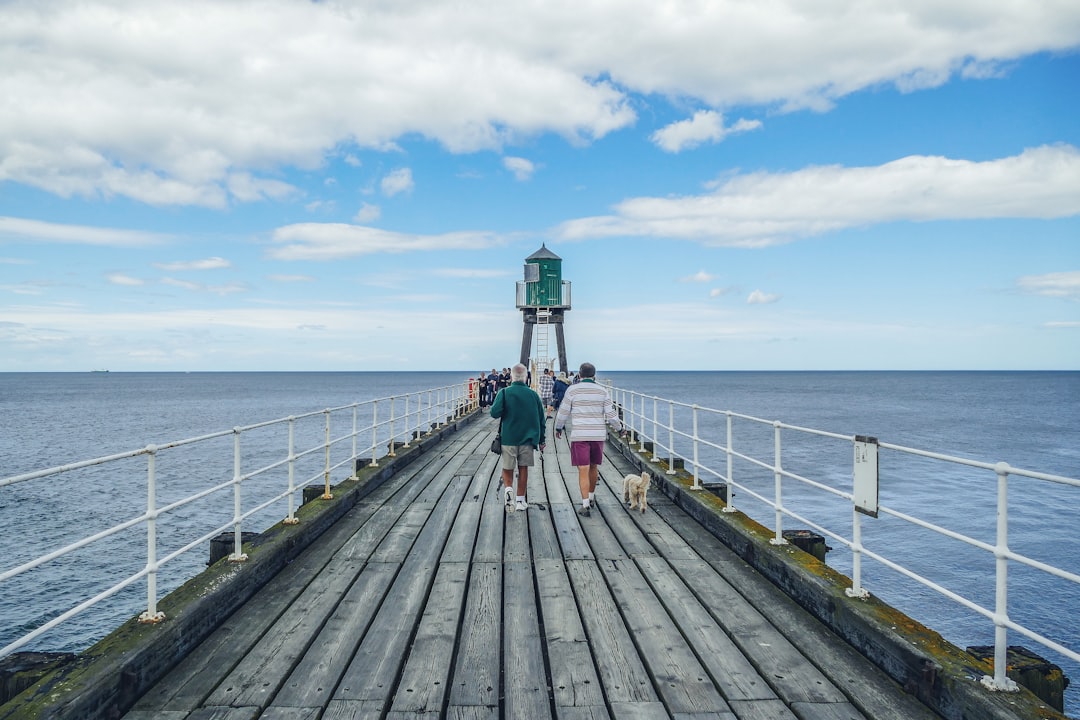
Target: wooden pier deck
x: 429, y: 600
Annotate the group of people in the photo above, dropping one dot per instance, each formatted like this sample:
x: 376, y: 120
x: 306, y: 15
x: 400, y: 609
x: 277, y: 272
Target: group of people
x: 523, y: 416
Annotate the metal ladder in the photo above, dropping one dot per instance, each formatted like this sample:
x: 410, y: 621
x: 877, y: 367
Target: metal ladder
x: 541, y: 358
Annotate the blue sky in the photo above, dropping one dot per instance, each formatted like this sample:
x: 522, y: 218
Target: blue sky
x: 287, y: 185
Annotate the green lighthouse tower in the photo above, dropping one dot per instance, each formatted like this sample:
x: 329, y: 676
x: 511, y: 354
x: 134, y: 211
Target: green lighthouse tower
x: 543, y: 298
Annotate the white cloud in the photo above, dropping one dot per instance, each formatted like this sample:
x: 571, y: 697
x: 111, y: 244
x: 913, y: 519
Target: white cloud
x: 720, y: 292
x: 33, y: 230
x: 290, y: 278
x: 352, y: 160
x: 521, y: 168
x: 397, y: 181
x: 121, y: 279
x: 760, y: 209
x: 704, y: 127
x: 1058, y: 284
x: 367, y: 213
x: 211, y: 263
x: 758, y: 297
x: 191, y: 103
x: 699, y: 277
x: 472, y: 273
x: 333, y: 241
x: 221, y: 290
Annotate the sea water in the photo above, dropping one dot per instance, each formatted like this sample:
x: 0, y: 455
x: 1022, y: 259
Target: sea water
x: 1030, y: 420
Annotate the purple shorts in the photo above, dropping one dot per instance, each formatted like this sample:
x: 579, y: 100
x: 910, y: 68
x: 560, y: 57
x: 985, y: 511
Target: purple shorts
x: 586, y: 452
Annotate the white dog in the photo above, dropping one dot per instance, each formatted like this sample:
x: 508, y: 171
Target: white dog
x: 635, y: 488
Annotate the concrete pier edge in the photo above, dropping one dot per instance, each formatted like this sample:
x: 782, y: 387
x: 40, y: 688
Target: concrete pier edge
x: 105, y: 680
x: 941, y: 675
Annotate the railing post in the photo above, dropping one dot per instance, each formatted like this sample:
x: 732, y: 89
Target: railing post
x: 778, y: 478
x: 730, y: 506
x: 326, y: 467
x: 292, y: 519
x: 671, y: 438
x: 1001, y: 681
x: 640, y: 424
x: 152, y: 615
x: 374, y: 433
x: 655, y: 427
x: 238, y: 505
x: 408, y: 430
x: 430, y: 405
x: 856, y: 590
x: 697, y: 468
x: 393, y: 401
x: 355, y: 434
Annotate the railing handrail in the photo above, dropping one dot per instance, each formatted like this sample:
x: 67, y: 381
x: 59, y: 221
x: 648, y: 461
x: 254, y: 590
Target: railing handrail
x: 653, y: 429
x: 426, y: 409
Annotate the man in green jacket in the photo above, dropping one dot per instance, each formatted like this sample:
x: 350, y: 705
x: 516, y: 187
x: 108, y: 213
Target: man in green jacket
x: 524, y: 427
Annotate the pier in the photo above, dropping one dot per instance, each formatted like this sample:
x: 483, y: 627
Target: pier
x: 413, y: 593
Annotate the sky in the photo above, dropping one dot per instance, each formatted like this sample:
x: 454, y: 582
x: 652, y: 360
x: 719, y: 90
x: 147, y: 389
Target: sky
x: 731, y: 185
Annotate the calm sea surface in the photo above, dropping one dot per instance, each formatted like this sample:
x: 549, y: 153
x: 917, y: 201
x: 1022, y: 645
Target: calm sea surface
x: 1030, y: 420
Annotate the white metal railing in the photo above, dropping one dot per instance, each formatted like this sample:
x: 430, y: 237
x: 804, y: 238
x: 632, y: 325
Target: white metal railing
x: 394, y: 422
x: 685, y: 442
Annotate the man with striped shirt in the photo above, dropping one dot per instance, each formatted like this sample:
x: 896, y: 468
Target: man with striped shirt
x: 589, y: 409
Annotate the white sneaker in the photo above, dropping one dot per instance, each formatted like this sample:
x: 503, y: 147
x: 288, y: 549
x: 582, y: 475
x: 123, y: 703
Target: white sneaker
x: 522, y: 505
x: 508, y: 498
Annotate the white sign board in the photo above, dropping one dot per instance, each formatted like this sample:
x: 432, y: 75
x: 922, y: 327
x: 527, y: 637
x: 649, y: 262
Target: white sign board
x: 865, y: 492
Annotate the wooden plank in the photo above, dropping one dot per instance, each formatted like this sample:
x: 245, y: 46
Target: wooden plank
x: 681, y: 681
x: 372, y: 673
x: 574, y: 681
x: 639, y: 711
x: 313, y: 680
x: 489, y: 538
x: 761, y: 710
x: 618, y: 664
x: 587, y: 712
x: 524, y: 677
x: 542, y: 536
x: 472, y: 712
x: 291, y: 713
x: 568, y: 529
x: 224, y: 713
x: 722, y: 659
x: 826, y: 711
x: 476, y: 668
x: 425, y: 680
x: 354, y: 709
x: 516, y: 536
x: 255, y: 680
x: 459, y: 546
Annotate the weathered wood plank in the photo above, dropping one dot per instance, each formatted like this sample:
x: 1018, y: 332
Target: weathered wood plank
x: 467, y: 712
x: 354, y: 709
x: 425, y: 680
x: 489, y: 538
x: 255, y: 680
x: 574, y: 682
x: 618, y: 664
x: 476, y: 670
x: 459, y: 546
x: 291, y: 713
x: 224, y: 713
x: 313, y: 680
x: 681, y: 681
x: 826, y: 711
x: 761, y: 710
x: 568, y: 529
x: 525, y: 687
x: 729, y: 668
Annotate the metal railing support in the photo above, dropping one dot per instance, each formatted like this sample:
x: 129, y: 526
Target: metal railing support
x: 730, y: 506
x: 393, y: 402
x: 697, y: 465
x: 238, y: 504
x: 152, y: 615
x: 671, y: 438
x: 292, y: 519
x: 856, y: 590
x: 778, y: 478
x: 326, y: 467
x: 375, y: 434
x: 1001, y: 681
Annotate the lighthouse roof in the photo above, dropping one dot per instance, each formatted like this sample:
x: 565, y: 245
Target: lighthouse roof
x: 543, y: 254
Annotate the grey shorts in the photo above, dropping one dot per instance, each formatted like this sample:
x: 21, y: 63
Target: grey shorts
x: 514, y: 456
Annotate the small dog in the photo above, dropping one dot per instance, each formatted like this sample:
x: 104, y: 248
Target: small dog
x: 635, y: 488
